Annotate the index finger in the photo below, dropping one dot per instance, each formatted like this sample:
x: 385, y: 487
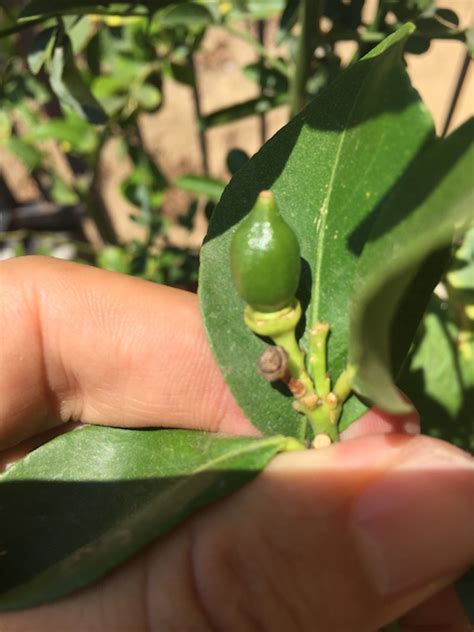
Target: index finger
x: 80, y: 343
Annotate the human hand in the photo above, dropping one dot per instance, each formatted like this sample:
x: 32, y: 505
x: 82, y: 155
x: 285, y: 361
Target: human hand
x: 347, y: 538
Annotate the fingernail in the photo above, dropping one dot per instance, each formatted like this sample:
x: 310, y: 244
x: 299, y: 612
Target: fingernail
x: 415, y: 524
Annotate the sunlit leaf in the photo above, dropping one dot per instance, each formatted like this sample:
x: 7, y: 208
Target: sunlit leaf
x: 86, y: 501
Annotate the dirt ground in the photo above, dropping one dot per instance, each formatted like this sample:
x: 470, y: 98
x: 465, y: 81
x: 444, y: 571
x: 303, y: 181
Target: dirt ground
x: 171, y: 134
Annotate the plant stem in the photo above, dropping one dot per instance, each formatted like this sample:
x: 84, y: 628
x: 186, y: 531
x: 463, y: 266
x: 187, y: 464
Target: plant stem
x: 322, y: 412
x: 317, y: 357
x: 93, y: 199
x: 262, y: 116
x: 296, y: 362
x: 343, y: 386
x: 457, y: 92
x: 322, y: 423
x: 309, y: 16
x: 198, y: 112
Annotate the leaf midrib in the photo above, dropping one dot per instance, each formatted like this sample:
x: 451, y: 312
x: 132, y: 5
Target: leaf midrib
x: 321, y: 223
x: 240, y: 451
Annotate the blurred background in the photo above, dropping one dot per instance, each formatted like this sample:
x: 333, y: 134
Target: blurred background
x: 120, y: 125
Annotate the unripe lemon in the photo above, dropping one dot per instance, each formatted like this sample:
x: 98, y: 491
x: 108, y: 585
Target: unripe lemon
x: 265, y: 257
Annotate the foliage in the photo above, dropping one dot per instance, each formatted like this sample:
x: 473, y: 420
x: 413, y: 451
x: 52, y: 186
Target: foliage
x: 96, y: 512
x: 375, y: 199
x: 92, y: 70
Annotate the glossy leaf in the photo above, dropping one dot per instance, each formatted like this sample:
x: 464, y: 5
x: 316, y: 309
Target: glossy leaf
x: 89, y: 499
x: 420, y: 216
x: 329, y: 168
x: 439, y: 377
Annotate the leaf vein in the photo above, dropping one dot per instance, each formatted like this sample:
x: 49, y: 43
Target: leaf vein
x: 321, y: 225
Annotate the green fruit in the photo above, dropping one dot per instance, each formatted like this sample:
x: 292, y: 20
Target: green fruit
x: 265, y: 257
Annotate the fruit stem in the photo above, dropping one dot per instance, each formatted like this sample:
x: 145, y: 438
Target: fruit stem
x: 296, y: 362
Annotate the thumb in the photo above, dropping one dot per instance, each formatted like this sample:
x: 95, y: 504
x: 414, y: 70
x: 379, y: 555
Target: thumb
x: 351, y: 537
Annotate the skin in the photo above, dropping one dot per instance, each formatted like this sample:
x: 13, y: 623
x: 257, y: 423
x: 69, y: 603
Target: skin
x: 350, y: 537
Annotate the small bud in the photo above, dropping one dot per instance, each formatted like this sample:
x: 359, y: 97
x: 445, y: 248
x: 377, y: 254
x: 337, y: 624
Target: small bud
x: 297, y: 388
x: 332, y: 400
x: 273, y: 364
x: 297, y: 406
x: 311, y: 401
x: 321, y: 441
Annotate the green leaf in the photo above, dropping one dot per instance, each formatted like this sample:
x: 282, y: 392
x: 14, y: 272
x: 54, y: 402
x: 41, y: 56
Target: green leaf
x: 463, y: 278
x: 329, y: 168
x: 182, y: 73
x: 465, y: 591
x: 466, y: 251
x: 439, y: 377
x: 86, y: 501
x: 242, y: 110
x: 267, y: 78
x: 79, y: 32
x: 145, y: 179
x: 47, y: 8
x: 5, y: 126
x: 191, y: 15
x: 111, y: 91
x: 421, y: 215
x: 287, y: 20
x: 72, y: 133
x: 201, y: 185
x: 344, y: 14
x: 114, y: 258
x: 60, y: 191
x: 148, y: 97
x: 29, y: 155
x: 69, y: 86
x: 41, y: 49
x: 236, y: 159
